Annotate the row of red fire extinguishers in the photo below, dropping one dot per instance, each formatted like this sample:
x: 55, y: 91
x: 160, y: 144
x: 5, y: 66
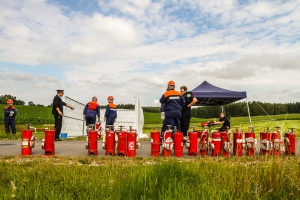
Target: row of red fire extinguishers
x: 217, y: 143
x: 121, y: 142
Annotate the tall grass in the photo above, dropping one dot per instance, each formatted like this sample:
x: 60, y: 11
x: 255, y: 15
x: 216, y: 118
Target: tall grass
x: 149, y: 178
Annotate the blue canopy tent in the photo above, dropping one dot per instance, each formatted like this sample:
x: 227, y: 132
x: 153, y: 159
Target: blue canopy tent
x: 210, y: 95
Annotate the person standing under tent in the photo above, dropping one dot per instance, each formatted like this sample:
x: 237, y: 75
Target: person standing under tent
x: 110, y: 112
x: 91, y: 110
x: 10, y: 112
x: 57, y: 111
x: 186, y: 112
x: 173, y: 105
x: 224, y: 121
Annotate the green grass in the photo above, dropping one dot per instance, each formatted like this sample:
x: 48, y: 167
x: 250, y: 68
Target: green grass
x: 149, y: 178
x: 31, y: 114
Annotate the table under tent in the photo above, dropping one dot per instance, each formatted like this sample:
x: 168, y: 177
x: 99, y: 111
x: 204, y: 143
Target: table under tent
x: 210, y: 95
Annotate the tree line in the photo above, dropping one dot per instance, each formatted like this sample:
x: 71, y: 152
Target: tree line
x: 240, y: 109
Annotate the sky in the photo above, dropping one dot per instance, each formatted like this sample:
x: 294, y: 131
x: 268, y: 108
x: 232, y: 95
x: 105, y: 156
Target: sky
x: 128, y: 48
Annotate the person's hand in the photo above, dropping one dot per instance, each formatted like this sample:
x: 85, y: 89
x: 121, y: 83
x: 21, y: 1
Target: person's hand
x: 60, y: 113
x: 72, y: 108
x: 115, y: 120
x: 162, y: 114
x: 98, y: 119
x: 84, y: 117
x: 104, y: 118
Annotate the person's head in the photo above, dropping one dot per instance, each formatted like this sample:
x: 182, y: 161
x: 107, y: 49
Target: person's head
x: 60, y: 92
x: 94, y: 99
x: 110, y: 99
x: 171, y: 85
x: 183, y: 90
x: 222, y: 115
x: 10, y: 102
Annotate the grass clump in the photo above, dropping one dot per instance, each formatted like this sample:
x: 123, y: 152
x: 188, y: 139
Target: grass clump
x: 150, y: 178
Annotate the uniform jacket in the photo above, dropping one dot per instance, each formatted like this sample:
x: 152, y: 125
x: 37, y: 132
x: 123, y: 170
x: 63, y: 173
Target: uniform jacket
x: 172, y: 100
x: 92, y: 109
x: 111, y: 111
x: 188, y: 97
x: 57, y: 103
x: 10, y: 112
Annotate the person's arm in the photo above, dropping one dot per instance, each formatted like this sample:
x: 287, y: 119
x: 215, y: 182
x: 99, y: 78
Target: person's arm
x: 193, y: 102
x: 107, y: 111
x: 85, y: 109
x: 68, y: 106
x: 6, y: 112
x: 162, y: 99
x: 98, y: 111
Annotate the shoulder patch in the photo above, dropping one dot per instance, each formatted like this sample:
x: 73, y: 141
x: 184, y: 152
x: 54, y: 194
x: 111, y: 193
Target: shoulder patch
x: 5, y: 107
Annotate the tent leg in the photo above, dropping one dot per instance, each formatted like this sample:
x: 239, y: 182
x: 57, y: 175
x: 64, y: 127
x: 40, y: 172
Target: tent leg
x: 249, y: 112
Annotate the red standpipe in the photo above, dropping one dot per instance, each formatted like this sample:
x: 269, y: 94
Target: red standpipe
x: 93, y: 142
x: 155, y: 143
x: 178, y: 144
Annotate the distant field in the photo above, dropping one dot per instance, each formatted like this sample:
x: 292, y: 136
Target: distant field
x: 42, y: 115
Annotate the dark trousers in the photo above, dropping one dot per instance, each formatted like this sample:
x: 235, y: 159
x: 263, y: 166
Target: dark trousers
x: 173, y: 118
x: 185, y: 124
x: 10, y: 123
x: 110, y: 120
x: 90, y: 120
x: 58, y: 125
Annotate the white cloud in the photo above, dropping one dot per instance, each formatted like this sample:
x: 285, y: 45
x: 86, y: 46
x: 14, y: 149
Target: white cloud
x: 135, y: 47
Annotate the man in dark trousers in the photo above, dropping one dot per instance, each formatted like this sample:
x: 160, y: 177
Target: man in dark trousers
x: 224, y: 121
x: 173, y: 104
x: 10, y: 112
x: 186, y: 112
x: 57, y: 111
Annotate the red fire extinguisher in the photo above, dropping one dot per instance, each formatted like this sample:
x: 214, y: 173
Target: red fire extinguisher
x: 265, y: 142
x: 192, y: 142
x: 215, y: 146
x: 48, y: 142
x: 250, y: 142
x: 121, y: 139
x: 276, y: 139
x: 167, y: 142
x: 27, y: 141
x: 155, y: 142
x: 226, y: 144
x: 178, y: 143
x: 109, y: 141
x: 290, y: 142
x: 238, y: 142
x: 92, y: 140
x: 132, y: 142
x: 203, y: 143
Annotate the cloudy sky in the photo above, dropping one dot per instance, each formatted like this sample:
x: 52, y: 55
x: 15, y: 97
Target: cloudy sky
x: 134, y: 47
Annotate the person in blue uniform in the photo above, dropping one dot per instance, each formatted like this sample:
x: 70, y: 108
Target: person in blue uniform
x: 10, y: 112
x: 110, y: 112
x: 91, y: 111
x: 57, y: 111
x: 173, y: 104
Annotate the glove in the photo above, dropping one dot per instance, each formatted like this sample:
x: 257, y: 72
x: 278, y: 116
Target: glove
x: 98, y: 119
x: 104, y: 118
x: 162, y: 114
x: 84, y: 117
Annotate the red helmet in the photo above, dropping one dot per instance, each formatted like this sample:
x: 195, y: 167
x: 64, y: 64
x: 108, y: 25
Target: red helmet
x: 171, y: 83
x: 10, y: 101
x: 110, y: 97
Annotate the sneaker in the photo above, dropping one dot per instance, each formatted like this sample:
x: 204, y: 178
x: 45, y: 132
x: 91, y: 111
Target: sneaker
x: 58, y: 139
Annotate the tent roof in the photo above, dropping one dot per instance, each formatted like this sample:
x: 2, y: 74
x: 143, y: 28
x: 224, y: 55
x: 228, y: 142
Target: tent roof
x: 210, y: 95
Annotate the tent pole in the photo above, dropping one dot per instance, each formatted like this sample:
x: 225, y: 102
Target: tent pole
x: 222, y: 108
x: 249, y: 112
